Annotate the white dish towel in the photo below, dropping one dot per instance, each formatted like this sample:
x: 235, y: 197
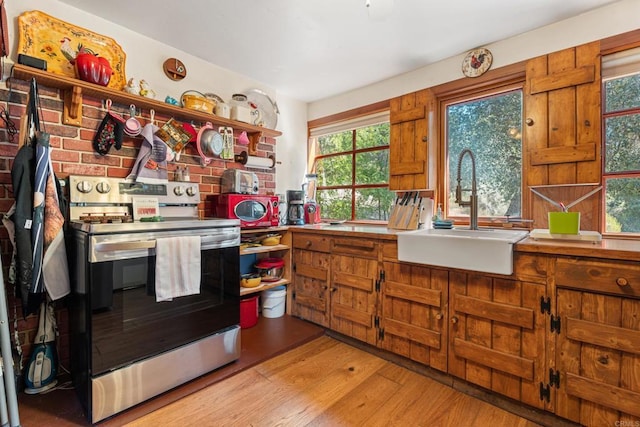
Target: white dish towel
x: 177, y: 267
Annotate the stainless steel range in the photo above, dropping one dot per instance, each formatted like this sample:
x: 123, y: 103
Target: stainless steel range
x: 125, y: 346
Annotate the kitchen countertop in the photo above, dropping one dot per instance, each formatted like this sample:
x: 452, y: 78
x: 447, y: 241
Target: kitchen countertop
x: 355, y: 230
x: 619, y: 249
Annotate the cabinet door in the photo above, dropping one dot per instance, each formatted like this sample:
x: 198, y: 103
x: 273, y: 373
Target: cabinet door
x: 497, y: 335
x: 413, y: 313
x: 354, y: 296
x: 409, y: 148
x: 311, y: 286
x: 598, y: 358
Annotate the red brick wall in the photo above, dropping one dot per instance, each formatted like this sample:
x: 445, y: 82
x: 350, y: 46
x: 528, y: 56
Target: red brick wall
x: 72, y: 154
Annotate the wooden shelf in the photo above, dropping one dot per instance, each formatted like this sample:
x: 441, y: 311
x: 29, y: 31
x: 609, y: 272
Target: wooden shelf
x: 263, y: 287
x: 73, y: 90
x: 262, y: 249
x: 282, y: 250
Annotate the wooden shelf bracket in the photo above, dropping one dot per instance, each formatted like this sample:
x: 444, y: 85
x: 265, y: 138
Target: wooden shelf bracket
x: 72, y: 112
x: 254, y: 139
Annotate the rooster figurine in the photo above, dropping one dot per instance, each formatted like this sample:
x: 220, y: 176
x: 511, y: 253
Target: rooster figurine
x: 69, y: 52
x: 476, y: 62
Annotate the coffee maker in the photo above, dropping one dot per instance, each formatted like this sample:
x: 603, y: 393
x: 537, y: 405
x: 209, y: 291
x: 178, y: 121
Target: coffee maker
x: 295, y: 207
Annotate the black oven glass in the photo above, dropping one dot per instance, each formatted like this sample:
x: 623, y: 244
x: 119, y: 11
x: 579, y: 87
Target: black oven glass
x: 127, y: 324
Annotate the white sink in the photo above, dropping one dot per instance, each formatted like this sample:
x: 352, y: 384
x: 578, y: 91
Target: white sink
x: 488, y: 250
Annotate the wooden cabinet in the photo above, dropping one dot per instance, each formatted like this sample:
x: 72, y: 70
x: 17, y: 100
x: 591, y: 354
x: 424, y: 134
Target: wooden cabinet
x: 355, y: 277
x: 497, y: 334
x: 413, y: 306
x: 336, y: 283
x: 311, y: 262
x: 488, y: 330
x: 598, y: 341
x: 413, y: 142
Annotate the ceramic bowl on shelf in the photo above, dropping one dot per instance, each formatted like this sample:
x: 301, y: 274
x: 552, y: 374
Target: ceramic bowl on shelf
x: 271, y: 240
x: 194, y: 100
x: 251, y: 280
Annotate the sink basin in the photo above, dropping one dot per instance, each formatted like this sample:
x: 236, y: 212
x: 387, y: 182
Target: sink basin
x: 488, y: 250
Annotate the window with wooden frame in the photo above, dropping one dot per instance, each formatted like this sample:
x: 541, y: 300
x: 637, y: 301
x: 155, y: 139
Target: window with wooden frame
x: 621, y: 141
x: 486, y: 118
x: 351, y: 159
x: 490, y: 127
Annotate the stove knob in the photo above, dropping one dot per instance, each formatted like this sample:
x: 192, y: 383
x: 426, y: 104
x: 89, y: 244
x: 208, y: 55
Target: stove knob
x: 84, y: 186
x: 191, y: 191
x: 178, y: 191
x: 103, y: 187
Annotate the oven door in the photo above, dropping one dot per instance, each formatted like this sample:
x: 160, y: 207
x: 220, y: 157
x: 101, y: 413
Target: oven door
x: 126, y: 322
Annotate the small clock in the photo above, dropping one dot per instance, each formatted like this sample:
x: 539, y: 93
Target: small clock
x: 174, y: 69
x: 477, y: 62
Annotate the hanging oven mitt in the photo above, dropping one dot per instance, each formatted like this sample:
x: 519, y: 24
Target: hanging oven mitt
x: 110, y: 133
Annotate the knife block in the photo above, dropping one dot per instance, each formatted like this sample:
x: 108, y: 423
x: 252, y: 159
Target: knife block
x: 407, y: 215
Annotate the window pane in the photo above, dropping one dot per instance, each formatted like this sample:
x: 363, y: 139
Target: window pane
x: 622, y: 143
x: 622, y: 93
x: 622, y: 197
x: 372, y: 136
x: 492, y: 129
x: 372, y: 167
x: 335, y: 143
x: 334, y: 170
x: 373, y: 203
x: 335, y: 204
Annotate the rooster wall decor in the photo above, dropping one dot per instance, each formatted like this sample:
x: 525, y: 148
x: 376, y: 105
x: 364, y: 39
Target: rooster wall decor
x: 477, y: 62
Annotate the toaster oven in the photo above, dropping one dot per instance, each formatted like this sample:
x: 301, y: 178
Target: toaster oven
x: 239, y: 181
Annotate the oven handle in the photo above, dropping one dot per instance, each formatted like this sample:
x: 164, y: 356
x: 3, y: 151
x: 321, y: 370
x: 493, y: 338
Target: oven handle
x: 124, y: 246
x: 151, y: 244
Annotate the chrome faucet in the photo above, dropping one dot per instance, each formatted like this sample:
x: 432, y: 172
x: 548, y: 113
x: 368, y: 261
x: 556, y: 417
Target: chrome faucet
x: 473, y: 199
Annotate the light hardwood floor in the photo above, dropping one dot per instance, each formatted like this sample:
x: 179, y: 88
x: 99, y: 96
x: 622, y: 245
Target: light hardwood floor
x: 329, y: 383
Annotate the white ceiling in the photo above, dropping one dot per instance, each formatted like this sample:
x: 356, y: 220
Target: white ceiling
x: 313, y: 49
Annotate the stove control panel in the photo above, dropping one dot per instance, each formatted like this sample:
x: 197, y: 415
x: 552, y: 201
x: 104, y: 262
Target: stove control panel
x: 102, y: 190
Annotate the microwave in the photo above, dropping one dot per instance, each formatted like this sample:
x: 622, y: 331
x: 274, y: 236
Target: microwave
x: 253, y: 210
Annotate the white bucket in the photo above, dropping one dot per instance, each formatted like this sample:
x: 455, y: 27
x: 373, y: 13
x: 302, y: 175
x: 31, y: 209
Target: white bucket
x: 273, y: 302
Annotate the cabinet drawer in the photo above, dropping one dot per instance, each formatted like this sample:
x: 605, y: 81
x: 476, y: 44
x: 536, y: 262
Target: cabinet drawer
x: 349, y: 246
x: 603, y: 277
x: 311, y: 242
